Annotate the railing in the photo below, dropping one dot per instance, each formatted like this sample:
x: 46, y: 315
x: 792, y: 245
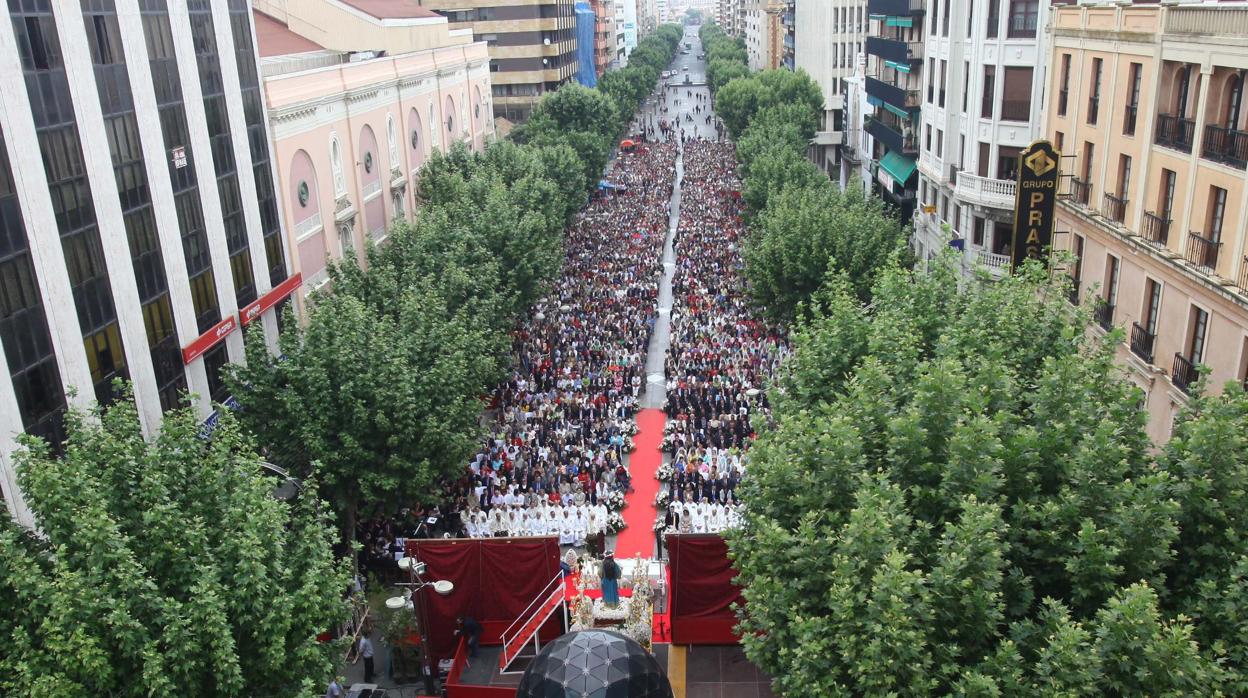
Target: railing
x: 307, y: 226
x: 1226, y: 146
x: 1202, y: 252
x: 1022, y: 26
x: 1128, y: 119
x: 521, y: 625
x: 372, y: 188
x: 985, y: 191
x: 1142, y: 342
x: 1175, y: 132
x: 1016, y: 110
x: 893, y: 94
x: 915, y: 50
x: 891, y: 136
x: 1184, y: 373
x: 1207, y: 21
x: 1114, y: 208
x: 895, y: 8
x: 1080, y: 191
x: 1155, y: 229
x: 992, y: 260
x: 1105, y: 315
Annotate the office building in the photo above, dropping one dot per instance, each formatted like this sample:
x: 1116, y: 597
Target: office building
x: 532, y: 44
x: 894, y: 82
x: 141, y: 228
x: 354, y: 114
x: 764, y: 34
x: 829, y: 37
x: 984, y: 80
x: 730, y: 17
x: 605, y: 55
x: 1146, y: 104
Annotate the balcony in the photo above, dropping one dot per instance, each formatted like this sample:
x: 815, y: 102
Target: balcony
x: 1183, y: 373
x: 997, y: 263
x: 1016, y: 110
x: 1142, y: 342
x: 1104, y: 315
x: 899, y: 97
x: 1226, y: 146
x: 1202, y: 252
x: 827, y: 138
x: 895, y: 8
x: 1114, y: 208
x: 1155, y: 229
x: 985, y: 191
x: 1022, y: 26
x: 896, y: 140
x: 1080, y: 191
x: 1175, y: 132
x: 895, y: 50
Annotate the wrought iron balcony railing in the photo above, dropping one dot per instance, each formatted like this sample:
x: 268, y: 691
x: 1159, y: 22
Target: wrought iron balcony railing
x: 1202, y: 252
x: 1184, y: 373
x: 1175, y: 132
x: 1155, y: 229
x: 1114, y: 208
x: 1142, y: 342
x: 1105, y: 316
x: 1227, y: 146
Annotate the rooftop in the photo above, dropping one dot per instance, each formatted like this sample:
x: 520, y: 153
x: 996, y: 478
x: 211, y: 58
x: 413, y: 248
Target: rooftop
x: 274, y: 38
x: 390, y: 9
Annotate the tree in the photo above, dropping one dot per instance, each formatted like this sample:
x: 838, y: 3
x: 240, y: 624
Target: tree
x: 805, y: 231
x: 741, y: 98
x: 776, y: 170
x: 164, y: 567
x: 959, y: 497
x: 383, y: 407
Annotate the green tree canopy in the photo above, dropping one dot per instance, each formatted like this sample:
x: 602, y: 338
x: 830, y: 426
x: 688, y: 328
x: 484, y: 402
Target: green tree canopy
x: 741, y: 98
x: 959, y: 498
x: 164, y: 567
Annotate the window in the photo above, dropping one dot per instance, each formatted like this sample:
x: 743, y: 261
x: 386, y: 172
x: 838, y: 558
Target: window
x: 994, y: 18
x: 1077, y: 270
x: 1217, y: 209
x: 966, y: 89
x: 1089, y: 154
x: 1185, y: 86
x: 944, y: 19
x: 1152, y: 305
x: 346, y: 239
x: 990, y: 72
x: 335, y: 164
x: 931, y: 80
x: 1007, y: 162
x: 940, y: 143
x: 927, y: 137
x: 1063, y: 92
x: 935, y: 15
x: 1113, y: 265
x: 1234, y: 100
x: 985, y: 154
x: 1094, y: 95
x: 1167, y: 193
x: 1200, y: 328
x: 392, y: 141
x: 970, y: 21
x: 944, y: 70
x: 1124, y: 175
x: 1059, y: 141
x: 1133, y: 99
x: 977, y: 231
x: 1016, y: 95
x: 1024, y: 15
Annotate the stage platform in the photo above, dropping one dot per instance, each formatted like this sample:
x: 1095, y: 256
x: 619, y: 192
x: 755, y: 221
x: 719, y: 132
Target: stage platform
x: 722, y: 671
x: 482, y: 670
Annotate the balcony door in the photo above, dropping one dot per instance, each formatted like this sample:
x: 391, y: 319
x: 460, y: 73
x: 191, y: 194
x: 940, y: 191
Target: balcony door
x: 1200, y: 327
x: 1185, y: 86
x: 1152, y: 305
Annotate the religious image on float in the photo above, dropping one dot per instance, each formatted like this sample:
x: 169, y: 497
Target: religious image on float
x: 721, y: 354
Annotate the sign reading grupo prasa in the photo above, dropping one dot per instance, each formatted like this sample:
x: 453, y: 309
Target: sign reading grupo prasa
x: 1035, y: 203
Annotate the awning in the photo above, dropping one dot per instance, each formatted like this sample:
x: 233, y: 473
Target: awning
x: 899, y: 167
x: 899, y: 22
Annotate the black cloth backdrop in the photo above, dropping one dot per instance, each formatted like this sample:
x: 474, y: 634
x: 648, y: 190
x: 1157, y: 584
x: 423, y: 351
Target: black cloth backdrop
x: 702, y: 590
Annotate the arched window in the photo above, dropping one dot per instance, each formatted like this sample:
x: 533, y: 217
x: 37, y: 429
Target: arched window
x: 335, y: 163
x: 415, y: 140
x: 1234, y: 100
x: 392, y: 141
x: 433, y: 126
x: 450, y: 115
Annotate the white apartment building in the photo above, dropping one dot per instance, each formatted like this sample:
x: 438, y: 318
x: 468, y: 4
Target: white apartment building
x: 984, y: 70
x: 828, y: 45
x: 139, y: 227
x: 626, y: 19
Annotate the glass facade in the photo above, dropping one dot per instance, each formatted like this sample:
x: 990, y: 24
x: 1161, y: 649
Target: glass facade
x: 182, y: 171
x: 117, y: 105
x: 24, y: 330
x: 48, y: 87
x: 221, y: 143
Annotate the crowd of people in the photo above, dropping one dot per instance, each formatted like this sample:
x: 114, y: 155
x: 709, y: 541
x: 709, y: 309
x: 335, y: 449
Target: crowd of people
x: 721, y: 355
x: 573, y: 524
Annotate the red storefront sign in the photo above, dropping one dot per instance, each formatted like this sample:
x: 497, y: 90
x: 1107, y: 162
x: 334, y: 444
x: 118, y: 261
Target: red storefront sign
x: 209, y: 339
x: 270, y: 299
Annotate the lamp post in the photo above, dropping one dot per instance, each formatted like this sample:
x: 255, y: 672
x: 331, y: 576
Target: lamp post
x: 409, y: 599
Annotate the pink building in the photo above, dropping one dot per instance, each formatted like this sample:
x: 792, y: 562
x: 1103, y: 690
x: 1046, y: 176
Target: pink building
x: 355, y: 112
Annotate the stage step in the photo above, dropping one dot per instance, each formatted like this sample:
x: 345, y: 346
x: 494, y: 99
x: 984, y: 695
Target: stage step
x: 518, y: 636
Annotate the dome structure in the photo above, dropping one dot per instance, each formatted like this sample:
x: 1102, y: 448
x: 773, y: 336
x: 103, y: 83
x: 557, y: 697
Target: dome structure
x: 594, y: 664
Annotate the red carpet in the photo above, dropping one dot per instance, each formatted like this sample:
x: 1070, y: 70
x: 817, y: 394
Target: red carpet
x: 639, y: 513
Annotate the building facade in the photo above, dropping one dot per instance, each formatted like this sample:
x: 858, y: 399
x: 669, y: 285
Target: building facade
x: 894, y: 85
x: 984, y: 81
x: 626, y: 19
x: 730, y: 17
x: 532, y: 44
x: 604, y: 35
x: 141, y: 228
x: 1146, y: 104
x: 352, y: 125
x: 586, y: 45
x: 828, y: 46
x: 788, y: 55
x: 764, y: 34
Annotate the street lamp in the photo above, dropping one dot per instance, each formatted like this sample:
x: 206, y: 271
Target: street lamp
x: 290, y: 487
x: 408, y: 599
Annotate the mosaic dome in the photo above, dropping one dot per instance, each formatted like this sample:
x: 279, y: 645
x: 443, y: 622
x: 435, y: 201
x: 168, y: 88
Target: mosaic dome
x: 594, y: 664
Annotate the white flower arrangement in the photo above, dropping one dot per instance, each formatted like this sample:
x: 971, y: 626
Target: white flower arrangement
x: 660, y: 526
x: 614, y: 501
x: 662, y: 499
x: 665, y: 473
x: 604, y: 612
x: 615, y: 523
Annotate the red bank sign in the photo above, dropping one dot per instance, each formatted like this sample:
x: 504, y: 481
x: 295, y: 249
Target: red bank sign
x: 222, y: 329
x: 209, y: 339
x: 270, y: 299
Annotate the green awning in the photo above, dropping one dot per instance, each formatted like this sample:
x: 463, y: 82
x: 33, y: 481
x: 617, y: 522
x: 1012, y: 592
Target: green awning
x: 903, y: 67
x: 898, y: 111
x: 899, y: 167
x: 899, y: 22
